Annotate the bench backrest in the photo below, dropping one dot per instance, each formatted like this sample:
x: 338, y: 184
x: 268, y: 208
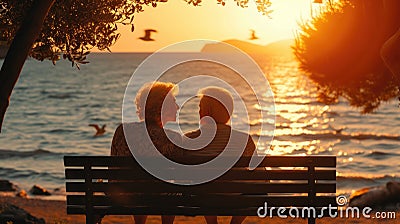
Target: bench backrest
x: 288, y: 181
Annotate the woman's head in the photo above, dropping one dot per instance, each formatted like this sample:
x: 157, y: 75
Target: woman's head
x: 217, y: 103
x: 154, y: 98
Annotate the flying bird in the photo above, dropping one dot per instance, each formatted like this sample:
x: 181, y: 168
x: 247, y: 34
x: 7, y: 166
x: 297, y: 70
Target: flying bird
x: 147, y: 34
x: 253, y: 35
x: 337, y: 130
x: 99, y: 131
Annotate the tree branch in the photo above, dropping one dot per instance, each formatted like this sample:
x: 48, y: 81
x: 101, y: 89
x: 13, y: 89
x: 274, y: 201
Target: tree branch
x: 19, y: 50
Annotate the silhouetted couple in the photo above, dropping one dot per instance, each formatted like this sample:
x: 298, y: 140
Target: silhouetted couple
x: 156, y: 105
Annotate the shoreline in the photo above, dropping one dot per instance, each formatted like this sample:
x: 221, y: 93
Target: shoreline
x: 54, y: 211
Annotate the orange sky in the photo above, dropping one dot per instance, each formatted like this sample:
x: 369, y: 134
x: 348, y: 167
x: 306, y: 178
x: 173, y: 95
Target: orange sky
x: 177, y: 21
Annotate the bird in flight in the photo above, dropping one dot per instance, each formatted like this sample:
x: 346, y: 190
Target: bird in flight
x: 99, y: 131
x: 147, y: 34
x: 253, y: 35
x: 337, y: 130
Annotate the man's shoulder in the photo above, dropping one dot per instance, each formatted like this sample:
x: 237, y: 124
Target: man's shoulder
x: 226, y: 127
x: 239, y: 132
x: 193, y: 134
x: 172, y: 133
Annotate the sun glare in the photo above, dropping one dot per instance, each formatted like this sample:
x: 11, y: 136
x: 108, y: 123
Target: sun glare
x: 283, y: 22
x: 176, y: 21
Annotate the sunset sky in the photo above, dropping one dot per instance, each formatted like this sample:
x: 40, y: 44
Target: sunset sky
x: 177, y: 21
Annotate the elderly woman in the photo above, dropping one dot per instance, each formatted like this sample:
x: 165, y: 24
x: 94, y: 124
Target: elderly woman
x: 156, y: 105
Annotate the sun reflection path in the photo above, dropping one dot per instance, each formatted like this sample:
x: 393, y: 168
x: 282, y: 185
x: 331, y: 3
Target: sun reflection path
x: 300, y: 119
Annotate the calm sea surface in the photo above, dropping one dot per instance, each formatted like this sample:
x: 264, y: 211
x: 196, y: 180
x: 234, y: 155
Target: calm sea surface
x: 51, y: 108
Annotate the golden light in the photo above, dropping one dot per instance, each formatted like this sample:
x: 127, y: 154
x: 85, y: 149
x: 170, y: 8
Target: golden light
x: 176, y: 21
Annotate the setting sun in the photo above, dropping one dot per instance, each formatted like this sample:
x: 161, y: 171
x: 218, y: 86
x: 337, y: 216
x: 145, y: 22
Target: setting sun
x: 177, y: 21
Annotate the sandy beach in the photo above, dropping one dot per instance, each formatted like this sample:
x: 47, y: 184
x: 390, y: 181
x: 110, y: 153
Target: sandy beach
x: 55, y: 212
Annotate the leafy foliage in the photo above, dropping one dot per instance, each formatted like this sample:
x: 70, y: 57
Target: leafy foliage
x: 339, y: 49
x: 262, y: 5
x: 74, y: 27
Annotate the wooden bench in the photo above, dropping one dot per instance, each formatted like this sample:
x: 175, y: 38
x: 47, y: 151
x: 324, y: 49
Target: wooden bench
x: 289, y: 181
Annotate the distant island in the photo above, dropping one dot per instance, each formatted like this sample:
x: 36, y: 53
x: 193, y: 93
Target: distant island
x: 282, y: 47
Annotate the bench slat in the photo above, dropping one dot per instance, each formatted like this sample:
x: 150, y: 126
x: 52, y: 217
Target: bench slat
x: 212, y: 201
x: 214, y: 187
x: 252, y: 211
x: 237, y: 192
x: 235, y: 174
x: 269, y: 161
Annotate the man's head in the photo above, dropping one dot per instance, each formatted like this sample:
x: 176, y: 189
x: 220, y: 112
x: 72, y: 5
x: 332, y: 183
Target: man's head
x: 216, y: 103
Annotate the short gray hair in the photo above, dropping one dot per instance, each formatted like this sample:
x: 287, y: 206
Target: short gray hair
x: 220, y: 94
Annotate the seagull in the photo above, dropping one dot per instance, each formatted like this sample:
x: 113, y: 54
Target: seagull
x: 253, y: 35
x: 147, y: 34
x: 338, y: 130
x: 99, y: 131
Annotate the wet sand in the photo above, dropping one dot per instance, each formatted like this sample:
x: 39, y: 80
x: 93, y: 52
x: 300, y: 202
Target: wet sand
x: 55, y: 212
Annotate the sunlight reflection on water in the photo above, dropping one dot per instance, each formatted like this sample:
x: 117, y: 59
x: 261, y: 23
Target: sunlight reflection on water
x: 51, y: 108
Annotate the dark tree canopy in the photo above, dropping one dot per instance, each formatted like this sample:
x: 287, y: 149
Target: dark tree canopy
x: 340, y: 50
x: 73, y: 27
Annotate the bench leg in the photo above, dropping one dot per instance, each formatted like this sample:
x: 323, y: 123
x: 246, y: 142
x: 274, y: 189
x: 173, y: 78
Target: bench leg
x: 311, y: 220
x: 90, y: 219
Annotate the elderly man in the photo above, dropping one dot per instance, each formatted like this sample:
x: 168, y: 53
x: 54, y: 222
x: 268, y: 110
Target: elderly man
x: 216, y: 108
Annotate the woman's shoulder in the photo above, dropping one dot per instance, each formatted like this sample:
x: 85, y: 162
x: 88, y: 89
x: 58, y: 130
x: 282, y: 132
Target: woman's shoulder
x: 119, y: 128
x: 133, y: 125
x: 123, y: 128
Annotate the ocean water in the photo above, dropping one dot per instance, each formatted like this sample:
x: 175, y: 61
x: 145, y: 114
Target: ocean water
x: 52, y: 106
